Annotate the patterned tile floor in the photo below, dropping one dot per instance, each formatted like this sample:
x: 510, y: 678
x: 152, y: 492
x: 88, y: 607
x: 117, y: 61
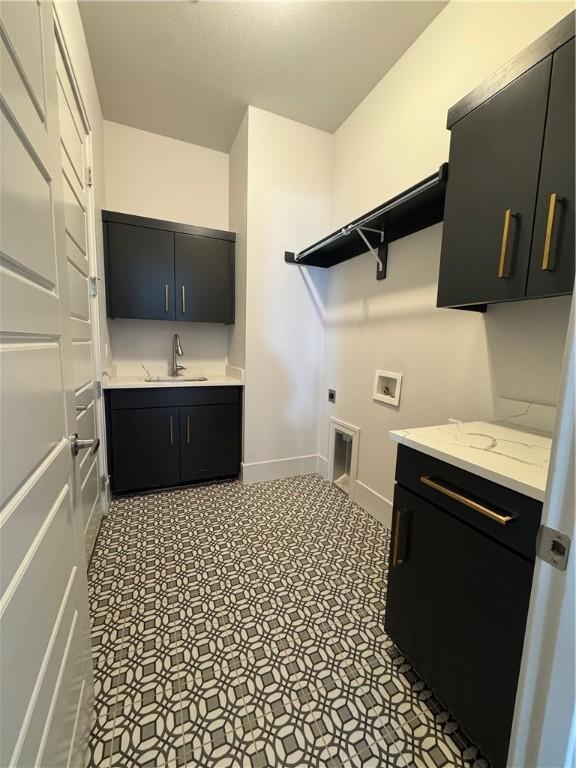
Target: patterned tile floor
x: 243, y: 627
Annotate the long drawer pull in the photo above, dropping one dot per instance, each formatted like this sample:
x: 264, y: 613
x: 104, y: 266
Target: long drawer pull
x: 496, y: 516
x: 399, y: 544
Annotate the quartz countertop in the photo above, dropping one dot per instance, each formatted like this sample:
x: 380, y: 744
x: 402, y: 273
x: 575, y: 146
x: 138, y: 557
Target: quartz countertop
x: 514, y: 457
x: 135, y: 382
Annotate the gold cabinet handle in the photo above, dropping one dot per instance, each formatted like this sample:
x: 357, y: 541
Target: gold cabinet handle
x: 501, y: 519
x: 547, y: 264
x: 400, y: 537
x: 183, y: 299
x: 171, y: 430
x: 166, y: 298
x: 502, y: 266
x: 188, y: 429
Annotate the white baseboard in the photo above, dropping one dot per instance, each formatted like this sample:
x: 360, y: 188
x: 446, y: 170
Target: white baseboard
x: 373, y: 503
x: 323, y: 467
x: 277, y: 469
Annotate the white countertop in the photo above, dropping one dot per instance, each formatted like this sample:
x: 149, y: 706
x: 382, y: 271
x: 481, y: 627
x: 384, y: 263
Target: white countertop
x: 514, y: 457
x: 135, y: 382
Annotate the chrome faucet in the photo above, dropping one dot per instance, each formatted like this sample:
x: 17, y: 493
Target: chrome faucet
x: 176, y: 352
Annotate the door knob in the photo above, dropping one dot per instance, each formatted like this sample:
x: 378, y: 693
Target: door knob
x: 77, y: 445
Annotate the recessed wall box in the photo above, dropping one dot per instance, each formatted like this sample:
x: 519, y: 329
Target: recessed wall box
x: 387, y: 387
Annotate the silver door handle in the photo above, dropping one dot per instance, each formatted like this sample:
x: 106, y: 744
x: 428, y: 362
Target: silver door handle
x: 183, y: 299
x: 166, y: 298
x: 77, y: 445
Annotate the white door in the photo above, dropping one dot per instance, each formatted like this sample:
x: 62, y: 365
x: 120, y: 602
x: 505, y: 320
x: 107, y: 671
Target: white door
x: 544, y: 729
x: 46, y: 688
x: 75, y: 161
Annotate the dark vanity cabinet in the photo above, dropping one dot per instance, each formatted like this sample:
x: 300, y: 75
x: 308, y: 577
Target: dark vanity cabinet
x: 509, y: 215
x: 164, y: 437
x: 160, y: 270
x: 459, y: 587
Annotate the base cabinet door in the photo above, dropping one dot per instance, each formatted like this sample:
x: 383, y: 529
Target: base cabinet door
x: 209, y: 442
x: 456, y: 607
x: 144, y: 448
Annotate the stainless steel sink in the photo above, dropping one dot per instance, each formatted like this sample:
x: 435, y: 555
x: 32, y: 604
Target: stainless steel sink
x: 175, y: 378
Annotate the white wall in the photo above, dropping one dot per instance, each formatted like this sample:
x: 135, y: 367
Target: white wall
x: 151, y: 175
x: 289, y: 177
x: 238, y: 205
x: 162, y: 178
x: 455, y: 363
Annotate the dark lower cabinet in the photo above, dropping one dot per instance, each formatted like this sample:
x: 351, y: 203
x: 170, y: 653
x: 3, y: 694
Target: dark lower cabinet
x: 145, y: 448
x: 458, y: 593
x: 210, y: 442
x: 164, y: 437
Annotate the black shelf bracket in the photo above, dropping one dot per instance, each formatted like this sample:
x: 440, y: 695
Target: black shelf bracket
x: 414, y: 209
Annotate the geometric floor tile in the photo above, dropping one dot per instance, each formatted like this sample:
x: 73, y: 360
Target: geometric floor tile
x: 243, y: 627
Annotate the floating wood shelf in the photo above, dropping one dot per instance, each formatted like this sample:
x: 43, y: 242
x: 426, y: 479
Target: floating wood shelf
x: 414, y: 209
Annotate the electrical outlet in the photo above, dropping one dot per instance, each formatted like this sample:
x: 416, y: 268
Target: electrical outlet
x: 331, y: 395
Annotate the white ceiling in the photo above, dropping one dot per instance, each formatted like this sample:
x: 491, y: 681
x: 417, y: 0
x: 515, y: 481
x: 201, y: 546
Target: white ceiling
x: 188, y: 70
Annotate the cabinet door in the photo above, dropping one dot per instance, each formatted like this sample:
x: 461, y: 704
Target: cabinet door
x: 144, y: 448
x: 210, y: 444
x: 140, y: 272
x: 457, y: 607
x: 552, y: 260
x: 204, y: 279
x: 494, y: 164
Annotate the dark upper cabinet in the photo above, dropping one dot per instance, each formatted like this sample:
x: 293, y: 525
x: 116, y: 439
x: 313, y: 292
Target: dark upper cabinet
x: 491, y: 194
x: 140, y: 272
x: 145, y: 446
x: 552, y: 261
x: 509, y: 215
x: 204, y: 270
x: 161, y: 270
x: 209, y: 442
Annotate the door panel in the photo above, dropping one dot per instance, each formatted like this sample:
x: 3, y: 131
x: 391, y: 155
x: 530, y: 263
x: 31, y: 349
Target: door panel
x: 26, y: 195
x: 144, y: 448
x: 204, y: 279
x: 23, y: 25
x: 209, y: 442
x: 32, y: 404
x: 556, y: 177
x: 140, y: 272
x: 494, y: 164
x: 457, y: 608
x: 30, y: 618
x: 42, y: 572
